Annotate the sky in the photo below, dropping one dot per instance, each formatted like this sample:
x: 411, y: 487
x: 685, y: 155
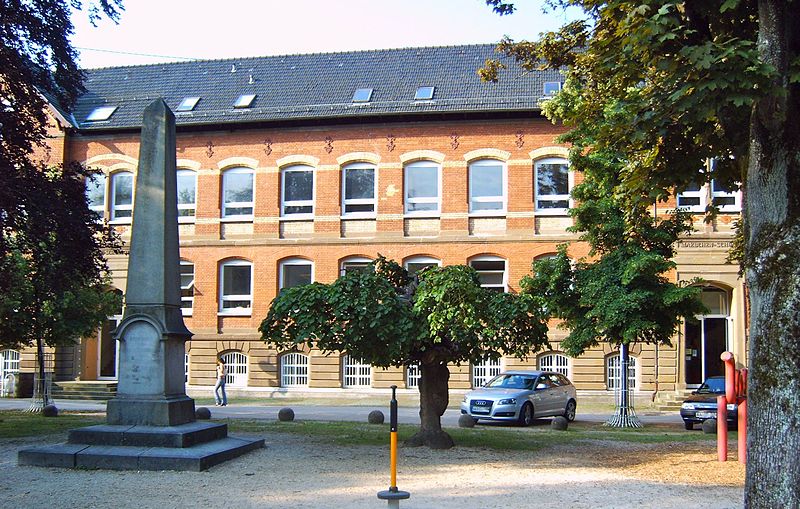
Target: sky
x: 174, y: 30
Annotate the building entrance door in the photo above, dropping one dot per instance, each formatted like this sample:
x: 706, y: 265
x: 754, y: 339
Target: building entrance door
x: 107, y: 351
x: 706, y: 338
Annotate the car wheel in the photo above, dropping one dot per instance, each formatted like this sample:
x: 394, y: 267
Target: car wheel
x: 526, y: 415
x: 688, y: 425
x: 569, y: 412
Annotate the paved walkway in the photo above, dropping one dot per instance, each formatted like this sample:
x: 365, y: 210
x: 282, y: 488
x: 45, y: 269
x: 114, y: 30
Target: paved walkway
x: 318, y: 412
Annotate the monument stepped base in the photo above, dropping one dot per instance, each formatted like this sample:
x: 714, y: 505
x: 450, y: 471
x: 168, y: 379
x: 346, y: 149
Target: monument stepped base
x: 194, y: 447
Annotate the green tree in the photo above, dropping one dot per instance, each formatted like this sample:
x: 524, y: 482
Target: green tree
x: 669, y: 84
x: 387, y: 318
x: 52, y: 273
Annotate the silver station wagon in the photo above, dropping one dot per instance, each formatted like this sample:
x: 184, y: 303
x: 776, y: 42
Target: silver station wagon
x: 522, y: 396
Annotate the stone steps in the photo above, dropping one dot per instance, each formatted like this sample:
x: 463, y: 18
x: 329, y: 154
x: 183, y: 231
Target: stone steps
x: 89, y: 390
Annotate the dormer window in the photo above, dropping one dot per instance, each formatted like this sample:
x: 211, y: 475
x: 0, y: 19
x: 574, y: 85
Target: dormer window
x: 101, y: 113
x: 187, y: 104
x: 362, y: 95
x: 244, y: 101
x: 424, y: 94
x: 551, y: 88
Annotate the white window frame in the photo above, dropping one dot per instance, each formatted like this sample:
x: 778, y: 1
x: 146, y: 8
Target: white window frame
x: 413, y: 375
x: 355, y: 260
x: 408, y: 201
x: 556, y: 362
x: 236, y: 366
x: 701, y: 194
x: 187, y: 206
x: 295, y: 369
x: 552, y: 197
x: 736, y: 195
x: 298, y: 203
x: 121, y: 207
x: 187, y: 311
x: 355, y: 373
x: 9, y: 365
x: 101, y: 180
x: 485, y: 371
x: 488, y: 258
x: 360, y: 201
x: 427, y: 260
x: 613, y: 368
x: 290, y: 262
x: 502, y: 198
x: 247, y: 311
x: 238, y: 204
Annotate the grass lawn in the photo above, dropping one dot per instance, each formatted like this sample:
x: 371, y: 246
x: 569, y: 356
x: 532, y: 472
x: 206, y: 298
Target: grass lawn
x: 16, y: 423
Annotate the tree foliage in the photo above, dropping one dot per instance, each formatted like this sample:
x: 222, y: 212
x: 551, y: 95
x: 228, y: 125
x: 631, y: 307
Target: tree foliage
x: 53, y: 278
x: 667, y: 85
x: 387, y: 318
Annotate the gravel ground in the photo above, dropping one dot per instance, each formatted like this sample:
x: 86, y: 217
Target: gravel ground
x: 293, y: 471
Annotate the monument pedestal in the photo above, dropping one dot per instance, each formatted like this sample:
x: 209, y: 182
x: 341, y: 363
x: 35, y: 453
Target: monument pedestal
x: 153, y: 412
x: 193, y: 446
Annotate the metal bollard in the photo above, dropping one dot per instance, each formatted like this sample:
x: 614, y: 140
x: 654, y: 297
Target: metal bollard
x: 393, y: 496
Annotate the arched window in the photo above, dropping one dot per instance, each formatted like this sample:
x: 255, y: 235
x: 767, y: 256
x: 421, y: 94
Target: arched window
x: 236, y: 287
x: 485, y: 371
x: 418, y: 263
x: 297, y: 191
x: 295, y: 272
x: 355, y: 372
x: 359, y: 189
x: 236, y: 364
x: 96, y: 193
x: 553, y: 182
x: 413, y: 374
x: 187, y: 194
x: 614, y: 370
x: 487, y: 187
x: 557, y: 362
x: 294, y: 370
x: 491, y: 272
x: 122, y: 197
x: 423, y: 188
x: 354, y: 263
x: 9, y: 366
x: 237, y: 193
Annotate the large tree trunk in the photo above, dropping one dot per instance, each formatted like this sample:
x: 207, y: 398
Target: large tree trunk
x: 773, y: 272
x: 433, y: 399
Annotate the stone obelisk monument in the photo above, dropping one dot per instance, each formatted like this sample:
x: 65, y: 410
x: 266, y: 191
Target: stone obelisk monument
x: 152, y: 333
x: 151, y: 422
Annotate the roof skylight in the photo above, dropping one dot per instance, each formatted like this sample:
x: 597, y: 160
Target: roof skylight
x: 244, y: 101
x: 424, y: 94
x: 187, y: 104
x: 362, y: 95
x: 551, y: 88
x: 101, y: 113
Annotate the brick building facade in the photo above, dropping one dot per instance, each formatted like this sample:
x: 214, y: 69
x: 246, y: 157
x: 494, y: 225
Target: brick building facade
x: 293, y: 169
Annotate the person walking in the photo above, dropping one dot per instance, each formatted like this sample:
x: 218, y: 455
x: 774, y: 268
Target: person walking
x: 220, y: 398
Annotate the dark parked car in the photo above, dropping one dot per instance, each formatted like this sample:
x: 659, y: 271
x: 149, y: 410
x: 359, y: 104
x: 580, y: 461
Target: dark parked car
x: 702, y: 404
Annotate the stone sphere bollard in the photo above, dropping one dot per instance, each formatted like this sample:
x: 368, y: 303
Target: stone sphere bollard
x: 375, y: 417
x: 466, y: 421
x: 285, y: 414
x: 710, y: 426
x: 50, y: 411
x: 559, y: 423
x: 202, y: 413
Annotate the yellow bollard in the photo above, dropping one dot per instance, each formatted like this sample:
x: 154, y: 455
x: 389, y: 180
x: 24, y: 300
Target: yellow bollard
x: 393, y: 496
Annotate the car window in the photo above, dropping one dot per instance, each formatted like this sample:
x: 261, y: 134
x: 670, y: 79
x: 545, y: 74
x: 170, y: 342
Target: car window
x: 543, y: 383
x: 564, y: 380
x: 712, y: 386
x: 554, y: 379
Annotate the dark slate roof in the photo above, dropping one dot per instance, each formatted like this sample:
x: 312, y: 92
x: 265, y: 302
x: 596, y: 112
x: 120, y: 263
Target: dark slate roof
x: 314, y: 87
